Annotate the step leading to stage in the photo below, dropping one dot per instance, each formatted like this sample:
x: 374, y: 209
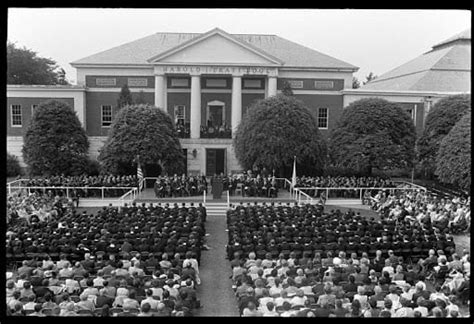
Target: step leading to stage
x: 216, y: 208
x: 343, y: 202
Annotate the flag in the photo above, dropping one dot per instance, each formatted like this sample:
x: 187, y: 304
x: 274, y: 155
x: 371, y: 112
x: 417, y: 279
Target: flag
x: 293, y: 178
x: 139, y: 174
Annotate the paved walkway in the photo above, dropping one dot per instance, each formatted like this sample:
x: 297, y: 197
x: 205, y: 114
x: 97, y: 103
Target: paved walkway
x: 215, y: 291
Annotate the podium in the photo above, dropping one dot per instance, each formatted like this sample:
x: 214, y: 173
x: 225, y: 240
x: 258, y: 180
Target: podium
x: 217, y: 187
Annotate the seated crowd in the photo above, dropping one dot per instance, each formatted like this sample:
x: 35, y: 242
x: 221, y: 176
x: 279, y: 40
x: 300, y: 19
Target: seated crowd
x: 35, y: 207
x: 252, y: 186
x: 344, y: 182
x: 124, y: 284
x: 183, y: 186
x: 300, y: 261
x: 85, y: 181
x: 119, y: 259
x: 341, y: 182
x: 445, y: 214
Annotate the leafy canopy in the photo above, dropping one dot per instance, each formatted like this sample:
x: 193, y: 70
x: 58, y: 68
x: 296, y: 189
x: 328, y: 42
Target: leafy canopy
x: 142, y: 130
x: 13, y: 165
x: 439, y: 122
x: 373, y: 133
x: 55, y: 142
x: 24, y: 66
x: 453, y: 162
x: 125, y: 97
x: 274, y: 131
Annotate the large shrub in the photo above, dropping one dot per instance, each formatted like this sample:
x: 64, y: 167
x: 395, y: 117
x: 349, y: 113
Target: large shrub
x: 274, y: 131
x: 453, y: 162
x: 439, y: 122
x: 55, y: 142
x: 373, y: 133
x: 13, y: 166
x: 144, y: 131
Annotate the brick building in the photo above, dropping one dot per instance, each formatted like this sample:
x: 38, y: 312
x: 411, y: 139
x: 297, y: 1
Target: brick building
x: 442, y: 71
x: 205, y: 82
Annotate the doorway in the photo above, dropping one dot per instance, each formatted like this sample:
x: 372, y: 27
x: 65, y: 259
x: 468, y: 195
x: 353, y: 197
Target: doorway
x: 215, y: 113
x: 215, y: 161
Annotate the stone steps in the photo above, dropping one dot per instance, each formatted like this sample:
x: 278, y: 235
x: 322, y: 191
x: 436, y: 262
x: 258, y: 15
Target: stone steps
x: 216, y: 208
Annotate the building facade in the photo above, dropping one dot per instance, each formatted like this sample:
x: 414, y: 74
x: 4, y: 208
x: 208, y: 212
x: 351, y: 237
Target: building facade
x: 442, y: 71
x: 205, y: 82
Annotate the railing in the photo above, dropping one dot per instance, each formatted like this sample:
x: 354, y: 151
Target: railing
x: 15, y: 185
x: 99, y: 191
x: 299, y: 193
x: 351, y: 192
x: 133, y: 193
x: 214, y: 132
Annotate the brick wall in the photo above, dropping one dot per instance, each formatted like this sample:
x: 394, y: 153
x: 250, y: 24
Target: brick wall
x: 26, y: 112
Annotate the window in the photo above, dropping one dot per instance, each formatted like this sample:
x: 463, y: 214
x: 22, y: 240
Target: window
x: 411, y: 112
x: 179, y: 82
x: 252, y: 83
x: 16, y: 115
x: 322, y: 118
x: 179, y: 114
x: 106, y: 116
x: 324, y: 85
x: 137, y: 82
x: 105, y: 81
x: 296, y: 84
x: 216, y: 83
x: 33, y: 109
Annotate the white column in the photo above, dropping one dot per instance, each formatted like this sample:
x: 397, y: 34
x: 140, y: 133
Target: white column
x: 80, y: 107
x: 272, y: 86
x: 236, y: 103
x: 195, y: 106
x: 160, y: 91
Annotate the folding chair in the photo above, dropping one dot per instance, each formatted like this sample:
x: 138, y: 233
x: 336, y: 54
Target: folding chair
x: 84, y: 312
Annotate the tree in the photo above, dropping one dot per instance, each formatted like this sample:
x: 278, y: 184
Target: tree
x: 274, y: 131
x: 286, y: 89
x: 140, y: 99
x: 55, y: 142
x: 370, y: 77
x: 373, y: 133
x: 453, y: 162
x: 24, y: 66
x: 355, y: 83
x: 439, y: 122
x: 144, y: 131
x: 13, y: 166
x: 125, y: 97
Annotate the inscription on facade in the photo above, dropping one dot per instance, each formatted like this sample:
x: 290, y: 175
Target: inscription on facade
x: 105, y: 81
x: 324, y: 84
x: 250, y: 70
x: 137, y: 82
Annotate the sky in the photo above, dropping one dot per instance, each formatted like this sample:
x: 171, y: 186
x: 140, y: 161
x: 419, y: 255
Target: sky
x: 374, y: 40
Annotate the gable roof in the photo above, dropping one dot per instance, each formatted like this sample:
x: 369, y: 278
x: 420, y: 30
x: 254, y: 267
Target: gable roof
x: 446, y: 67
x: 215, y: 31
x: 287, y: 53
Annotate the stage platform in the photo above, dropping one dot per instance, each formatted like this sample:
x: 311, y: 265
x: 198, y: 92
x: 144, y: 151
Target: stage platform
x: 148, y: 196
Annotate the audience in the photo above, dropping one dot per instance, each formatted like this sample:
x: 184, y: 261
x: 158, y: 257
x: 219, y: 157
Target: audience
x: 85, y: 264
x: 282, y: 268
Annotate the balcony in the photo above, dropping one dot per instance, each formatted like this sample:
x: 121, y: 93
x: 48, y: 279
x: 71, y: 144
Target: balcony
x: 216, y: 132
x: 183, y: 130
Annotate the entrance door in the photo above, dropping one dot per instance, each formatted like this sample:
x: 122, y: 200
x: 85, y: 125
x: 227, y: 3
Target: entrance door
x: 215, y: 162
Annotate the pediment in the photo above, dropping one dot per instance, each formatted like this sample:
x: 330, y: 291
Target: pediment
x: 216, y: 48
